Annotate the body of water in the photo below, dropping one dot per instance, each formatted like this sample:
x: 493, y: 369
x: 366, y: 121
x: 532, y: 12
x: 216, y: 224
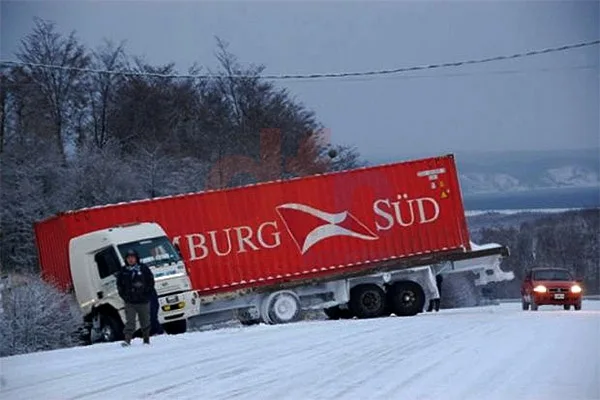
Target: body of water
x: 588, y: 197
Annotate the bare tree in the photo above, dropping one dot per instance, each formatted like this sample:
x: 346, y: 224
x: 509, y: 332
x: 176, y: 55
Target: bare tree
x: 3, y: 108
x: 112, y: 58
x: 61, y: 89
x: 143, y: 107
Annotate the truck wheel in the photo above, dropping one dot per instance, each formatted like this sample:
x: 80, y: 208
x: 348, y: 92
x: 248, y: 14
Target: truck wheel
x: 577, y: 307
x: 281, y: 308
x: 406, y: 298
x: 110, y: 330
x: 567, y: 307
x: 175, y: 327
x: 367, y: 301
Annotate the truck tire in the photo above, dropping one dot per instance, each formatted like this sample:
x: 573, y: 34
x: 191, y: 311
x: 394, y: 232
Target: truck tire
x: 175, y: 327
x: 338, y: 313
x: 406, y: 298
x: 281, y: 307
x: 367, y: 301
x: 111, y: 329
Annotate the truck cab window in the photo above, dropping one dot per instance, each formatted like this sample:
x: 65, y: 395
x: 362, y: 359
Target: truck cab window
x: 108, y: 262
x: 153, y: 252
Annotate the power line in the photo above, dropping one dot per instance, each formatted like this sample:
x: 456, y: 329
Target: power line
x: 316, y: 75
x: 467, y: 74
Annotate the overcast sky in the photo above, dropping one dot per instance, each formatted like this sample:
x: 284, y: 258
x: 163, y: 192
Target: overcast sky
x: 543, y: 102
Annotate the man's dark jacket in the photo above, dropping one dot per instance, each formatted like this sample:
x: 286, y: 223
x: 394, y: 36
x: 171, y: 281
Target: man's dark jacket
x: 135, y: 286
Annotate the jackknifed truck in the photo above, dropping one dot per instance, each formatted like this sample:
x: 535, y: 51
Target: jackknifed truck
x: 365, y: 243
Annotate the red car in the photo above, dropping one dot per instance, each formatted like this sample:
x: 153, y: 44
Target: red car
x: 550, y: 286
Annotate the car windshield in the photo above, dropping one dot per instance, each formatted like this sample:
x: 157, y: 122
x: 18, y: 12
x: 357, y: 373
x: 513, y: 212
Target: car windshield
x: 153, y: 251
x: 552, y: 275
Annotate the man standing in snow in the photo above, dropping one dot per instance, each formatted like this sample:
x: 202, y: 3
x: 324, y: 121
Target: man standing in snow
x: 135, y: 283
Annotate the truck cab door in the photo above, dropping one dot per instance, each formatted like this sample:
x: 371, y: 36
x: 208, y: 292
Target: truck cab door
x: 108, y: 264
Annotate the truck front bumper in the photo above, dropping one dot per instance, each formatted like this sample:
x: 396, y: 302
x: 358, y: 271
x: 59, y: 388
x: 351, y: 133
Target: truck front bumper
x: 178, y: 306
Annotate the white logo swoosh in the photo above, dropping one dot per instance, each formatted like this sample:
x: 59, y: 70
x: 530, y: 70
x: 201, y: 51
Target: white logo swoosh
x: 330, y: 229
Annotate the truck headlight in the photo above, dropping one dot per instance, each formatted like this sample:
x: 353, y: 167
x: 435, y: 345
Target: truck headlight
x: 575, y: 289
x: 540, y: 289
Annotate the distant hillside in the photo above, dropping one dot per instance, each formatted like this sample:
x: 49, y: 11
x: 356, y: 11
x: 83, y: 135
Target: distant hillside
x: 501, y: 172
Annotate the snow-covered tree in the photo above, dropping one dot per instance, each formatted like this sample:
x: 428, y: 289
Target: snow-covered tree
x: 35, y: 316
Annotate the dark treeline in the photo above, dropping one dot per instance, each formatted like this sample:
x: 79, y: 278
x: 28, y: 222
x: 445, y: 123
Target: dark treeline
x: 567, y: 240
x: 72, y: 139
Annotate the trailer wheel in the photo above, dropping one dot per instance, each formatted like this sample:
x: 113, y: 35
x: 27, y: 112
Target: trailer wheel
x: 367, y: 301
x: 406, y: 298
x: 281, y: 308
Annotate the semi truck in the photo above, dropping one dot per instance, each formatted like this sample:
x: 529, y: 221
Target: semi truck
x: 366, y: 242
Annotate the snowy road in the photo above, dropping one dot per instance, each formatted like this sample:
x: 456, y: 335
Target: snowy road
x: 497, y: 352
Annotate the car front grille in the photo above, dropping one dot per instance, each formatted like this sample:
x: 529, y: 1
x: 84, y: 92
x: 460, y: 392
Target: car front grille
x: 558, y: 290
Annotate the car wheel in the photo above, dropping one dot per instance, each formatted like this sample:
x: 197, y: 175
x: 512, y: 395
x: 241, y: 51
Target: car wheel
x: 567, y: 307
x: 525, y: 305
x: 578, y: 306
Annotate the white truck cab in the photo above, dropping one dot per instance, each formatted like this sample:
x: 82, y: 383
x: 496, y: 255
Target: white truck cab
x: 96, y: 257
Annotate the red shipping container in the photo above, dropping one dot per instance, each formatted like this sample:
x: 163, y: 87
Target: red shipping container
x: 303, y: 228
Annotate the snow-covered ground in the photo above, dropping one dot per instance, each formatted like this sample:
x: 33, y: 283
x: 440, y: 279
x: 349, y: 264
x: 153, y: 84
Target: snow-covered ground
x: 496, y: 352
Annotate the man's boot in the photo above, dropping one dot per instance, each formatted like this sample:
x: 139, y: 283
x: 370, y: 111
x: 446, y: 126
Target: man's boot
x: 127, y: 341
x: 146, y: 336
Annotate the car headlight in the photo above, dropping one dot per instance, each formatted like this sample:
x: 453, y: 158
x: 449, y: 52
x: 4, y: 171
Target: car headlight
x: 540, y: 289
x: 575, y: 289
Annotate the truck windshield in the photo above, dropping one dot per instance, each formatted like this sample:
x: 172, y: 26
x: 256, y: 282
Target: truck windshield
x: 552, y: 275
x: 153, y: 251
